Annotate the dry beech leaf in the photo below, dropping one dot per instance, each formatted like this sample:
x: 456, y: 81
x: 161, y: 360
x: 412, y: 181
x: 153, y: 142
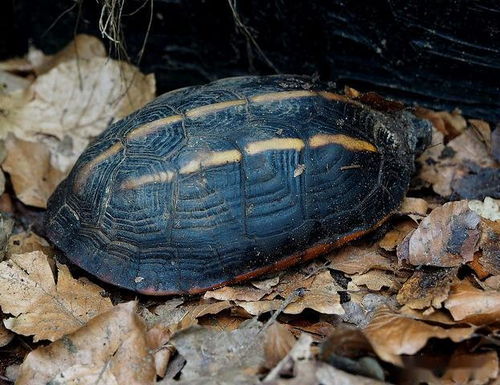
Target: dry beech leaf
x: 469, y: 304
x: 5, y: 335
x: 427, y: 288
x: 40, y: 306
x: 488, y: 209
x: 266, y: 284
x: 471, y: 368
x: 449, y: 123
x: 31, y: 172
x: 236, y: 293
x: 493, y: 282
x: 447, y: 237
x: 374, y: 280
x: 278, y: 342
x: 220, y: 357
x: 414, y: 206
x: 490, y: 246
x: 27, y: 242
x: 397, y: 234
x: 12, y: 83
x: 74, y: 102
x: 110, y: 349
x: 260, y: 307
x: 321, y: 296
x: 358, y: 260
x: 392, y: 334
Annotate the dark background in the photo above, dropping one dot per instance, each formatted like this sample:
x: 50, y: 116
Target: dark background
x: 440, y: 54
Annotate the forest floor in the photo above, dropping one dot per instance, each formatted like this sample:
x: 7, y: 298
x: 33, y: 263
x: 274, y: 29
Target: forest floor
x: 418, y: 304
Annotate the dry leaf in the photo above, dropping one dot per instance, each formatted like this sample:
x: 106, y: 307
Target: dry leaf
x: 473, y: 369
x: 260, y: 307
x: 414, y: 207
x: 27, y: 242
x: 74, y: 102
x: 321, y: 296
x: 374, y: 280
x: 42, y: 307
x: 426, y: 288
x: 472, y: 305
x: 392, y: 334
x: 490, y: 246
x: 110, y: 349
x: 278, y: 342
x: 218, y: 357
x: 493, y: 282
x: 236, y: 293
x: 358, y: 260
x: 5, y: 336
x: 12, y: 83
x: 488, y: 209
x: 395, y: 236
x: 32, y: 175
x: 449, y: 123
x: 6, y: 226
x: 447, y: 237
x: 266, y: 284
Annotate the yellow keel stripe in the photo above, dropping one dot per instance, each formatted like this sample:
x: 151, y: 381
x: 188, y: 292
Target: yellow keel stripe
x: 150, y: 127
x: 210, y: 108
x: 211, y: 159
x: 345, y: 141
x: 275, y: 144
x: 164, y: 176
x: 277, y: 96
x: 87, y: 169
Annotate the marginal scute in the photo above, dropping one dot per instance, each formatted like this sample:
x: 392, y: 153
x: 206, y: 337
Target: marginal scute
x: 201, y: 186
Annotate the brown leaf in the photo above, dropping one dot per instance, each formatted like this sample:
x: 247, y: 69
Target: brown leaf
x: 110, y: 349
x: 74, y: 102
x: 488, y: 209
x: 447, y: 237
x: 260, y: 307
x: 469, y: 368
x: 476, y: 306
x: 358, y: 260
x: 450, y: 124
x: 493, y: 282
x: 32, y: 174
x: 219, y: 357
x: 236, y: 293
x: 395, y: 236
x: 392, y: 334
x: 278, y: 342
x: 27, y: 242
x: 5, y: 335
x: 42, y: 307
x: 321, y: 296
x: 426, y: 288
x: 374, y: 280
x: 415, y: 207
x: 266, y: 284
x: 490, y: 246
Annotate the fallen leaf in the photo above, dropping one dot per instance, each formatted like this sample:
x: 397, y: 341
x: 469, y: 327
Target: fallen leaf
x: 397, y: 234
x: 74, y: 102
x: 5, y: 335
x: 358, y: 260
x: 470, y: 368
x: 321, y: 296
x: 472, y: 305
x: 33, y: 177
x: 449, y: 123
x: 493, y: 282
x: 236, y: 293
x: 374, y: 280
x: 490, y: 247
x: 218, y: 357
x: 447, y: 237
x: 427, y: 288
x: 278, y: 341
x: 110, y: 349
x: 12, y: 83
x: 27, y: 242
x: 260, y: 307
x: 488, y: 209
x: 266, y: 284
x: 415, y: 207
x: 40, y: 306
x: 6, y: 226
x: 392, y: 334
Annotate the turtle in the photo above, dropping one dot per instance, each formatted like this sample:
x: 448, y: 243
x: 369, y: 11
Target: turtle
x: 214, y: 184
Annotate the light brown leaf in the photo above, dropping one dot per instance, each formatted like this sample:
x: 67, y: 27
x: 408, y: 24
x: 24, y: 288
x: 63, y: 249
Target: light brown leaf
x: 321, y: 296
x: 395, y: 236
x: 74, y: 102
x: 416, y: 207
x: 278, y: 342
x: 490, y: 246
x: 426, y: 288
x: 260, y: 307
x: 392, y: 334
x: 111, y: 349
x: 449, y: 123
x: 374, y: 280
x: 32, y: 175
x: 358, y: 260
x: 266, y: 284
x: 488, y: 209
x: 447, y: 237
x: 5, y: 335
x: 42, y: 307
x: 236, y: 293
x: 476, y: 306
x: 27, y: 242
x: 472, y: 369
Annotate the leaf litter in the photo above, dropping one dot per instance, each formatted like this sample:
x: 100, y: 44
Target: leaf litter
x: 376, y: 311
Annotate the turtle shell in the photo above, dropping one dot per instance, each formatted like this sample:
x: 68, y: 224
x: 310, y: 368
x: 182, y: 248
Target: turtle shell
x: 214, y: 184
